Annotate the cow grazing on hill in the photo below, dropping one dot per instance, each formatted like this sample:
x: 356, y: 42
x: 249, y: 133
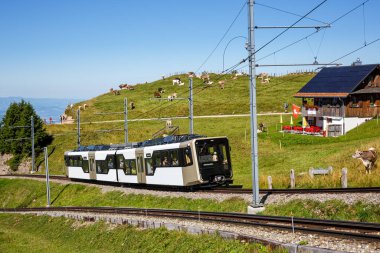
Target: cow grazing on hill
x: 205, y: 77
x: 176, y: 81
x: 367, y: 157
x: 221, y: 84
x: 157, y: 94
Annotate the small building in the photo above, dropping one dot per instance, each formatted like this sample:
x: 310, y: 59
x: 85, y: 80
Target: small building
x: 339, y: 99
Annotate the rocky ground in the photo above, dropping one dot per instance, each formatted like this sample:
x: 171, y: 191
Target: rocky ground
x: 4, y: 168
x: 23, y: 168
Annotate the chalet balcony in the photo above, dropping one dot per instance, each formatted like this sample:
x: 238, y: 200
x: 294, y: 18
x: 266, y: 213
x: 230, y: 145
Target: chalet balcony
x: 363, y: 111
x: 315, y: 111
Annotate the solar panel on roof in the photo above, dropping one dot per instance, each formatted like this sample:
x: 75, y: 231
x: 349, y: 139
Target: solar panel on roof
x: 338, y: 79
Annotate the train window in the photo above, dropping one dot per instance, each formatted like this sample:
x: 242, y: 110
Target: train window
x: 120, y: 162
x: 156, y: 159
x: 188, y: 160
x: 130, y: 167
x: 223, y: 156
x: 149, y: 166
x: 213, y: 153
x: 165, y: 159
x: 174, y: 159
x: 85, y: 166
x: 77, y: 161
x: 110, y: 162
x: 101, y: 167
x: 67, y: 160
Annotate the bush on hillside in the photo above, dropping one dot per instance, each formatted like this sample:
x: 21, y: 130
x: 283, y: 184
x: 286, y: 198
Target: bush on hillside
x: 15, y: 138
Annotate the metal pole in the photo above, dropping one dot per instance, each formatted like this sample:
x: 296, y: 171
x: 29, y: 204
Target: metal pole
x: 47, y: 176
x: 191, y: 112
x: 78, y: 126
x: 32, y: 137
x: 252, y: 95
x: 126, y: 120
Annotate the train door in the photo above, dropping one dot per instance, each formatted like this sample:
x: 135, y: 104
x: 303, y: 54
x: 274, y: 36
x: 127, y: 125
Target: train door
x: 141, y: 177
x: 91, y: 165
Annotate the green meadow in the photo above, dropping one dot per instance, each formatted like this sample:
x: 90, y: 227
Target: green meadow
x: 278, y: 153
x: 32, y: 193
x: 29, y: 233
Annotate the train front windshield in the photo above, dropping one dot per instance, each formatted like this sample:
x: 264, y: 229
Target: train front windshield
x: 214, y: 158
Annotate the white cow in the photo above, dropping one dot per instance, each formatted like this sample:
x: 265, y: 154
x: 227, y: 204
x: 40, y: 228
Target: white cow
x: 177, y: 81
x: 367, y: 157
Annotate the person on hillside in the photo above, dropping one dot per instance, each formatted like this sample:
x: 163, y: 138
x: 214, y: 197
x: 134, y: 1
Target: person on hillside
x: 286, y: 106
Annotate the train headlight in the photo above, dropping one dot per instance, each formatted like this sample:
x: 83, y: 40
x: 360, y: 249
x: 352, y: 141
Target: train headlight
x: 220, y: 178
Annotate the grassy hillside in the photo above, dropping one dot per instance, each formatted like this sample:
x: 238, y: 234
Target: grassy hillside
x: 297, y: 152
x: 208, y: 100
x: 31, y: 193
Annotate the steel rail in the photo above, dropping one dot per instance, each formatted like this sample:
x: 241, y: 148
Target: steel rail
x: 298, y: 191
x: 362, y: 230
x: 222, y: 190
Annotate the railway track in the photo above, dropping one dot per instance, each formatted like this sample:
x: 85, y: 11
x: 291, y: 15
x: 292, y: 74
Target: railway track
x: 357, y: 230
x: 224, y: 190
x: 298, y: 191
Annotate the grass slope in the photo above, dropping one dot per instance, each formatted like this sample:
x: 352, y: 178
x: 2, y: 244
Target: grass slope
x: 31, y: 193
x: 332, y: 210
x: 208, y: 100
x: 18, y: 233
x: 297, y: 152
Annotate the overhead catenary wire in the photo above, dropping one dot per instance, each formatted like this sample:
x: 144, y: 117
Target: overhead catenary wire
x: 281, y: 33
x: 315, y: 32
x: 234, y: 67
x: 222, y: 38
x: 355, y: 50
x: 364, y: 25
x: 243, y: 60
x: 288, y: 12
x: 230, y: 69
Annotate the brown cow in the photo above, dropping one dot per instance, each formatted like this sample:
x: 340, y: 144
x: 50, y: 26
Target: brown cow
x: 157, y: 94
x: 367, y: 157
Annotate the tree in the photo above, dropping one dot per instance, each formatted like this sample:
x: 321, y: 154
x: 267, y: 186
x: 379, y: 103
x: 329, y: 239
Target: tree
x: 15, y: 132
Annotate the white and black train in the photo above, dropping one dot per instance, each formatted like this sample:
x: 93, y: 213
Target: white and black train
x: 178, y: 160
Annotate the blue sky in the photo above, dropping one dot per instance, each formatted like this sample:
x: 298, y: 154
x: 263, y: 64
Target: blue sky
x: 80, y: 49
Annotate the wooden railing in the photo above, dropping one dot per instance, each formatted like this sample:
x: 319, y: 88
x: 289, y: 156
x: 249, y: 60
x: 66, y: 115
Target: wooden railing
x: 323, y: 111
x: 364, y: 111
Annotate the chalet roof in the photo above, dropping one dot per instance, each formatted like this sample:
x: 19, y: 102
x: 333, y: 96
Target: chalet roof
x: 336, y: 81
x: 367, y: 91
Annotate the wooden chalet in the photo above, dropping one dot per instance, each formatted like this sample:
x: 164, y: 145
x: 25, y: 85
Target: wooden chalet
x: 339, y: 99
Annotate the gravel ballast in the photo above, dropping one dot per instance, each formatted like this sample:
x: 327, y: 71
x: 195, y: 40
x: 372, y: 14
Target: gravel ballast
x: 233, y: 231
x: 348, y: 198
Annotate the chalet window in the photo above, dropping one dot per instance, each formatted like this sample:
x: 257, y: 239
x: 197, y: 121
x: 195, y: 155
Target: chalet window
x: 354, y: 102
x: 372, y: 102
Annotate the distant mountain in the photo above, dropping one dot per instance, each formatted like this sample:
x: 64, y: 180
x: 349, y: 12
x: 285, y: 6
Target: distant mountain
x: 45, y: 107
